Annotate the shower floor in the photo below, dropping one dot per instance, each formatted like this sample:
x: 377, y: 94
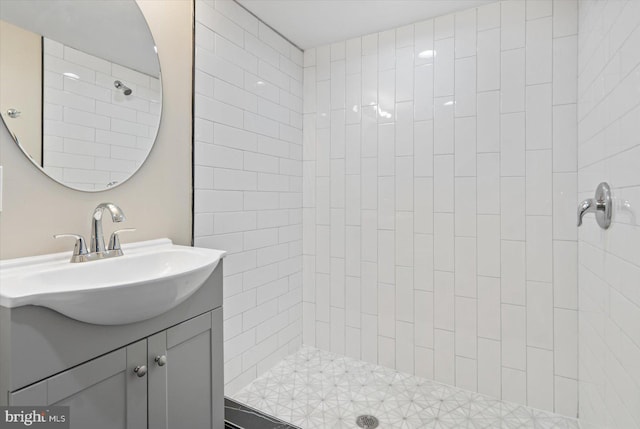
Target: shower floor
x: 317, y: 389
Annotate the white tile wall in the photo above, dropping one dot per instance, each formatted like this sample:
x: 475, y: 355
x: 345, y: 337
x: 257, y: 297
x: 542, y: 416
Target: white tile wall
x: 248, y: 187
x: 609, y: 263
x: 439, y: 177
x: 93, y: 134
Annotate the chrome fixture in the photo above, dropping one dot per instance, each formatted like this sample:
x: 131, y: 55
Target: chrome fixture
x: 13, y: 113
x: 160, y: 360
x: 97, y: 249
x: 122, y: 87
x: 80, y: 253
x: 97, y: 239
x: 601, y: 205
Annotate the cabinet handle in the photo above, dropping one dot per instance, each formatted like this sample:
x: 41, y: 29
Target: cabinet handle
x: 160, y: 360
x: 140, y: 370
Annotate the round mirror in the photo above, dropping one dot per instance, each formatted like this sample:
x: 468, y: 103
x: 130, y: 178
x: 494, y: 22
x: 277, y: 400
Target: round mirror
x: 80, y: 88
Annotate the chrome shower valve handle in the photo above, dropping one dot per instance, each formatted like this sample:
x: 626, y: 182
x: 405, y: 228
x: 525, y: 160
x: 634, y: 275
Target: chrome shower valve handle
x: 601, y: 205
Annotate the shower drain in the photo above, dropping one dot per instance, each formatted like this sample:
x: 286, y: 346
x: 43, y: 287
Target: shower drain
x: 367, y: 422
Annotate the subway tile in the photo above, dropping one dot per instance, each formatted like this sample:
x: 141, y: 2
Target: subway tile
x: 565, y: 18
x: 465, y: 147
x: 465, y: 206
x: 514, y: 385
x: 444, y: 301
x: 353, y: 97
x: 404, y: 295
x: 539, y: 9
x: 238, y: 15
x: 488, y: 183
x: 404, y: 347
x: 512, y: 79
x: 565, y: 74
x: 404, y: 246
x: 488, y: 60
x: 489, y: 16
x: 565, y: 137
x: 540, y: 378
x: 444, y: 67
x: 465, y: 33
x: 353, y: 55
x: 386, y: 310
x: 386, y: 262
x: 466, y: 319
x: 540, y: 319
x: 444, y: 241
x: 444, y: 26
x: 565, y: 274
x: 423, y: 42
x: 386, y: 95
x: 386, y: 49
x: 513, y: 25
x: 566, y: 343
x: 489, y: 308
x: 565, y: 188
x: 489, y: 245
x: 444, y: 183
x: 236, y: 55
x: 423, y: 92
x: 566, y: 396
x: 539, y: 117
x: 539, y: 48
x: 444, y: 356
x: 489, y: 370
x: 405, y: 36
x: 512, y: 144
x: 404, y: 74
x: 423, y: 262
x: 514, y: 331
x: 423, y: 148
x: 539, y: 248
x: 513, y: 272
x: 423, y: 303
x: 404, y: 129
x: 539, y: 183
x: 488, y: 122
x: 352, y: 302
x: 219, y: 23
x: 338, y: 84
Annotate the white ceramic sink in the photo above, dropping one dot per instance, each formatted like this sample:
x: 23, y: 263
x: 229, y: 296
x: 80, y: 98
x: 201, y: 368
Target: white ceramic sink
x: 151, y: 278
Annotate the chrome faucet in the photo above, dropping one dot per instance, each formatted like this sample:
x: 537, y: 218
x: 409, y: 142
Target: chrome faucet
x: 97, y: 249
x: 97, y: 238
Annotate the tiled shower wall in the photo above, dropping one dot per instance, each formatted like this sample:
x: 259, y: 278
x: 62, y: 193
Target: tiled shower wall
x: 94, y: 134
x: 609, y: 269
x: 439, y: 200
x: 248, y: 182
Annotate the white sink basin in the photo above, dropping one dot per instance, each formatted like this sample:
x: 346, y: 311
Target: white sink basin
x: 151, y: 278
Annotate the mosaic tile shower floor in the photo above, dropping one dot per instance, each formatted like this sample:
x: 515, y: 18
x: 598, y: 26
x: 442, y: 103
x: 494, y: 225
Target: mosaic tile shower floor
x: 318, y: 389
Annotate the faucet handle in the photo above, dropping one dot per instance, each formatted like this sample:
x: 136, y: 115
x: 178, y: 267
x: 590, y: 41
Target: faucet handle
x: 80, y: 248
x: 114, y: 240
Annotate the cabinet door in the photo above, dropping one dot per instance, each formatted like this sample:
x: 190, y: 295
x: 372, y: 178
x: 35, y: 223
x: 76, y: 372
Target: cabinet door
x: 188, y: 389
x: 104, y: 393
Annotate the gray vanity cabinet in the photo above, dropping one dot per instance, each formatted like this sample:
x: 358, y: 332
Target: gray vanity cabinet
x: 104, y: 393
x: 182, y: 387
x: 186, y: 375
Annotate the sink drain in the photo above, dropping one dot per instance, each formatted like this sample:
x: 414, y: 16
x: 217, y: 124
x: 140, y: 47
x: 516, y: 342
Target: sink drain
x: 367, y: 422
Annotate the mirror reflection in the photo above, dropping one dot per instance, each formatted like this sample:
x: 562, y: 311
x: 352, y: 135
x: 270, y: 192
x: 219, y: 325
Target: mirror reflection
x: 80, y: 88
